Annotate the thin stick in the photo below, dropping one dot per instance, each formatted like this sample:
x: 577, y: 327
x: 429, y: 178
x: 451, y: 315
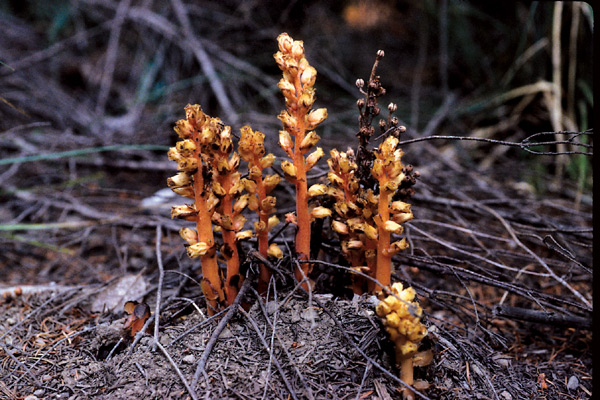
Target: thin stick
x: 161, y: 277
x: 185, y: 382
x: 111, y: 55
x: 204, y: 60
x: 20, y: 364
x: 215, y: 335
x: 511, y: 232
x: 264, y: 343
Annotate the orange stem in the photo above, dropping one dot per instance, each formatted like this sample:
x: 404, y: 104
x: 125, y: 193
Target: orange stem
x: 405, y: 363
x: 230, y: 252
x: 211, y: 281
x: 302, y: 215
x: 383, y: 270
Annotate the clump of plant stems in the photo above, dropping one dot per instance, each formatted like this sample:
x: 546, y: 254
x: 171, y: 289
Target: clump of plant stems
x: 366, y: 195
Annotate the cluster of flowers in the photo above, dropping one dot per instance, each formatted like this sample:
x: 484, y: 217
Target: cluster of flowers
x: 363, y: 219
x: 366, y: 198
x: 209, y: 175
x: 402, y: 319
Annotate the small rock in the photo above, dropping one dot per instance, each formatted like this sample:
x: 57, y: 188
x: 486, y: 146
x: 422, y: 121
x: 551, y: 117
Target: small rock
x: 573, y: 383
x: 225, y: 334
x: 10, y: 321
x: 114, y: 296
x: 309, y: 314
x: 189, y: 359
x: 506, y: 396
x: 39, y: 392
x: 165, y: 339
x: 31, y: 397
x: 272, y: 307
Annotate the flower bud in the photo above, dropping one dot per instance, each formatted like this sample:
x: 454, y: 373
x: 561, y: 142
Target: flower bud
x: 297, y: 50
x: 360, y: 83
x: 198, y: 249
x: 398, y: 246
x: 186, y: 191
x: 243, y: 235
x: 309, y: 76
x: 286, y: 86
x: 240, y: 203
x: 315, y: 117
x: 335, y: 179
x: 179, y: 180
x: 354, y: 244
x: 393, y: 227
x: 309, y: 141
x: 253, y: 203
x: 340, y: 227
x: 186, y: 147
x: 249, y: 185
x: 274, y: 251
x: 285, y: 42
x: 402, y: 217
x: 189, y: 235
x: 184, y: 129
x: 400, y: 207
x: 285, y: 141
x: 260, y: 227
x: 370, y: 232
x: 270, y: 182
x: 307, y: 98
x: 272, y: 222
x: 392, y: 320
x: 317, y: 190
x: 238, y: 223
x: 218, y: 190
x: 313, y: 158
x: 183, y: 212
x: 267, y: 204
x: 266, y: 161
x: 320, y: 212
x: 289, y: 122
x: 288, y: 168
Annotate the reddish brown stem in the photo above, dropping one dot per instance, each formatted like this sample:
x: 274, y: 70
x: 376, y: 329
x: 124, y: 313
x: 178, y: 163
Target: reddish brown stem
x: 302, y: 214
x: 211, y: 284
x: 230, y: 251
x: 383, y: 270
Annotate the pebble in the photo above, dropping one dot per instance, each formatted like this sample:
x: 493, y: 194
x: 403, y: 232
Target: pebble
x: 31, y: 397
x: 165, y: 339
x: 39, y: 392
x: 271, y: 307
x: 573, y: 383
x: 226, y: 334
x: 189, y: 359
x: 506, y: 396
x: 10, y: 321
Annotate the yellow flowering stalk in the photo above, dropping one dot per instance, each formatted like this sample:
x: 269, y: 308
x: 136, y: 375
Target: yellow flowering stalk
x: 299, y: 122
x: 402, y: 320
x: 387, y: 169
x: 352, y: 219
x: 252, y: 150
